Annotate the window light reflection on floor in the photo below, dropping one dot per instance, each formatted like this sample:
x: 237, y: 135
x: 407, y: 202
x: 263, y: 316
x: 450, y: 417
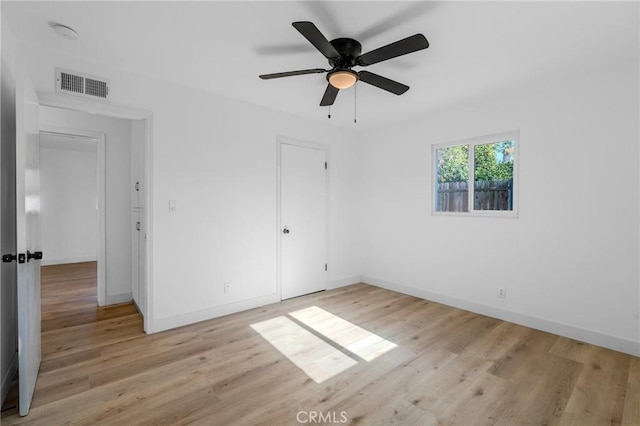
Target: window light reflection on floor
x: 357, y: 340
x: 317, y: 358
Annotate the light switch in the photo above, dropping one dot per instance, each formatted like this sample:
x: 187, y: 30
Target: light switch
x: 172, y: 206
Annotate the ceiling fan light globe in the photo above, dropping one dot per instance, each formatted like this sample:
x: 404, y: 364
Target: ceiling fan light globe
x: 343, y: 79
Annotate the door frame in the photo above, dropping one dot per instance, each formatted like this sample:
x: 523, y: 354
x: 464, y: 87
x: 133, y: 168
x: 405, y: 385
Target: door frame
x: 280, y: 141
x: 101, y: 173
x: 119, y: 111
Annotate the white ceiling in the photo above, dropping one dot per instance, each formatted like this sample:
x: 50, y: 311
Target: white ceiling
x: 222, y: 47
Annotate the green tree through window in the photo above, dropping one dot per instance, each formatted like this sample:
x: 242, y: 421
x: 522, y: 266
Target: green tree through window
x: 477, y: 175
x: 494, y: 161
x: 453, y: 164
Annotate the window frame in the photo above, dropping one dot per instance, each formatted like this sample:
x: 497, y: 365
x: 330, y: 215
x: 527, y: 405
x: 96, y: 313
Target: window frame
x: 513, y: 135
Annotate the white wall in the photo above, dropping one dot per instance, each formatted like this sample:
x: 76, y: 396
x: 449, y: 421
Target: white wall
x: 217, y: 158
x: 570, y: 261
x: 118, y: 201
x: 68, y: 215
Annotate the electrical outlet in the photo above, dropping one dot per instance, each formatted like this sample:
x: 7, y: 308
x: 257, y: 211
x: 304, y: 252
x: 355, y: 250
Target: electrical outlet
x: 227, y: 288
x: 502, y: 292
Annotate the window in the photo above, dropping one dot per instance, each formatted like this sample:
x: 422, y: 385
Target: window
x: 477, y: 176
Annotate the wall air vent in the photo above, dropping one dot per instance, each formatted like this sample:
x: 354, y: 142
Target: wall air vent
x: 77, y: 84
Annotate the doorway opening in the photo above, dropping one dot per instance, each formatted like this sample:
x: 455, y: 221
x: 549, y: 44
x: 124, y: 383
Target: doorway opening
x: 122, y: 138
x: 73, y: 210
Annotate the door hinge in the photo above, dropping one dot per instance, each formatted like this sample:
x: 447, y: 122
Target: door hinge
x: 325, y: 266
x: 35, y: 255
x: 325, y: 165
x: 7, y: 258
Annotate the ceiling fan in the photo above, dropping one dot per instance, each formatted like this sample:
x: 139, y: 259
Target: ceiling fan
x: 344, y: 54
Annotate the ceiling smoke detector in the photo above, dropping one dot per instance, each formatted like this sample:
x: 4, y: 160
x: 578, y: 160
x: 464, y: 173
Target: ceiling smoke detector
x: 64, y: 31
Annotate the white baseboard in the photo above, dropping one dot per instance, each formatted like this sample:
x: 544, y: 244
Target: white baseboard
x: 231, y: 308
x: 138, y: 308
x: 161, y: 324
x: 114, y: 299
x: 61, y: 261
x: 8, y: 378
x: 344, y: 282
x: 612, y: 342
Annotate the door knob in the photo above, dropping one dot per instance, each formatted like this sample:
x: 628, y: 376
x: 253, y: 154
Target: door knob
x: 285, y: 231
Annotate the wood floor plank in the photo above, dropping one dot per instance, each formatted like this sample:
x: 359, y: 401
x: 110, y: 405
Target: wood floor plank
x: 540, y: 392
x: 256, y: 385
x: 59, y: 343
x: 493, y: 345
x: 477, y: 404
x: 632, y: 398
x: 449, y: 367
x: 600, y: 391
x: 518, y: 363
x: 369, y: 404
x: 442, y: 391
x: 87, y: 316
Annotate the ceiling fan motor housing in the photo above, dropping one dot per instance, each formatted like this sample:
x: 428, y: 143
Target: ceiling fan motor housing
x: 349, y: 49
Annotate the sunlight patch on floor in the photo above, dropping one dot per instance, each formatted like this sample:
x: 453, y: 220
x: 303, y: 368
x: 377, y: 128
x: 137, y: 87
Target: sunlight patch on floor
x: 357, y: 340
x: 313, y: 355
x: 318, y: 359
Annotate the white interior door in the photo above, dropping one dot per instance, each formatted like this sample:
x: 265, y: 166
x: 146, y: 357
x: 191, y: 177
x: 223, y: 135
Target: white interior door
x: 304, y: 220
x: 28, y: 239
x: 8, y: 274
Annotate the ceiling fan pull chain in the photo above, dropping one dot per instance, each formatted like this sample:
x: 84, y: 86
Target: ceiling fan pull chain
x: 355, y: 91
x: 329, y: 116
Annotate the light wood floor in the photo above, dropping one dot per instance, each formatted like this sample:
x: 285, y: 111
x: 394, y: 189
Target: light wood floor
x: 449, y: 367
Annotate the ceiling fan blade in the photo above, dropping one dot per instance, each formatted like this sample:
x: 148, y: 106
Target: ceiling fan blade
x: 401, y: 47
x: 413, y: 10
x: 315, y: 37
x: 292, y: 73
x: 382, y: 82
x: 329, y: 96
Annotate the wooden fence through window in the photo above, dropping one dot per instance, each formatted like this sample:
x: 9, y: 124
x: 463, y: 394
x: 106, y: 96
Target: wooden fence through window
x: 488, y: 195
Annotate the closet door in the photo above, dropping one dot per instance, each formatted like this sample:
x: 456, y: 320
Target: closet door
x: 304, y: 220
